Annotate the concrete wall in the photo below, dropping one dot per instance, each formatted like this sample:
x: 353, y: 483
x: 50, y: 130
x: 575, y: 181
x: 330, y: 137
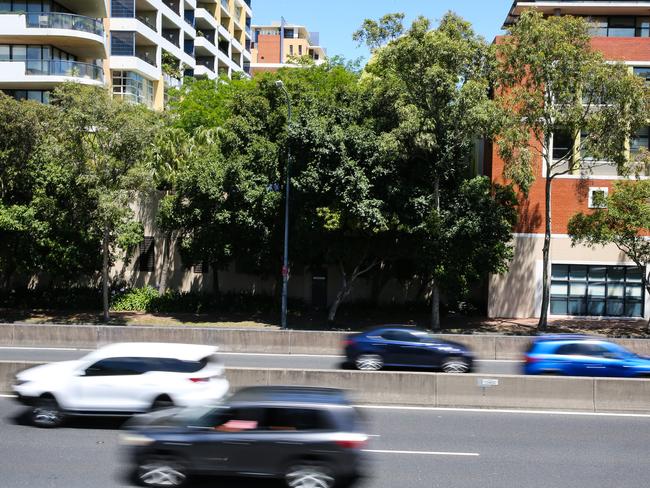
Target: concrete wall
x: 250, y: 340
x: 443, y: 390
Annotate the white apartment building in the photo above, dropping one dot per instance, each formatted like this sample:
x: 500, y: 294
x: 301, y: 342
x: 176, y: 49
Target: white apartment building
x: 137, y: 48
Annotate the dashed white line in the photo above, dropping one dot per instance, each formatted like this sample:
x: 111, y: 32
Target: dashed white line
x: 501, y: 410
x: 425, y: 453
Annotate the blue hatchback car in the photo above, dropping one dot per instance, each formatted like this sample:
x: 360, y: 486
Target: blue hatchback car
x: 583, y: 356
x: 405, y: 347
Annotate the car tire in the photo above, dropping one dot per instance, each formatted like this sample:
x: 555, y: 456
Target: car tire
x: 47, y: 413
x: 369, y: 362
x: 455, y: 365
x: 162, y: 402
x: 161, y: 472
x: 310, y: 475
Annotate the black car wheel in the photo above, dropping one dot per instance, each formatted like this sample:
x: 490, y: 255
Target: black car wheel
x: 162, y: 471
x: 47, y: 413
x: 162, y: 402
x: 455, y: 365
x: 309, y: 475
x: 369, y: 362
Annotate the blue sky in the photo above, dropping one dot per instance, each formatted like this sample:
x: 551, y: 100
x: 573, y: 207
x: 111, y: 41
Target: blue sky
x: 336, y: 20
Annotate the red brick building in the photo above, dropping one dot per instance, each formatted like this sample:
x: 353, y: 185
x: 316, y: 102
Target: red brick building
x: 599, y: 282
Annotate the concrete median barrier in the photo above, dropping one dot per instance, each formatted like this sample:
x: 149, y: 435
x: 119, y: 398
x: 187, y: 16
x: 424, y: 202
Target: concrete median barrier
x: 442, y: 390
x: 509, y: 391
x: 490, y: 347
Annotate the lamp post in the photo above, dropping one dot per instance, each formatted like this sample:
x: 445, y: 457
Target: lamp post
x: 285, y: 261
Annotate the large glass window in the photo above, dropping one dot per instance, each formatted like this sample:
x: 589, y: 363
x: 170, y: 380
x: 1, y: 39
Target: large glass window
x: 133, y: 88
x: 619, y: 26
x: 596, y: 290
x: 562, y: 145
x: 123, y: 8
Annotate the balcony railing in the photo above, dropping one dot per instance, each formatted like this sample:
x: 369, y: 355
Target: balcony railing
x: 60, y: 67
x: 56, y: 20
x: 147, y: 22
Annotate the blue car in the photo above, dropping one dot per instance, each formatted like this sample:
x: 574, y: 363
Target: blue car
x: 405, y: 347
x: 583, y: 356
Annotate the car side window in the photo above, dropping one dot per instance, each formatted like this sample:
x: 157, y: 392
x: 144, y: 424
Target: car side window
x: 568, y: 350
x: 240, y: 419
x: 597, y: 350
x: 297, y: 419
x: 117, y: 367
x: 400, y: 335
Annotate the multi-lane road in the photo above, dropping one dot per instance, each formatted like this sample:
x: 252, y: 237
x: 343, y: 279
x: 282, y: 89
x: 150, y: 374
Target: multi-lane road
x: 412, y: 448
x: 248, y: 360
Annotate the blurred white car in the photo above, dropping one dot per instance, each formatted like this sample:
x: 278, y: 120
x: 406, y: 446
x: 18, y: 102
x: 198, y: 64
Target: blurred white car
x: 122, y: 379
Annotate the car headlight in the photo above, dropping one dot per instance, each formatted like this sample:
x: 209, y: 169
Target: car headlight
x: 135, y: 440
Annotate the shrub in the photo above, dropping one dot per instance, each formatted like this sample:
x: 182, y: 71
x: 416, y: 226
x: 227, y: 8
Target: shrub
x: 135, y: 300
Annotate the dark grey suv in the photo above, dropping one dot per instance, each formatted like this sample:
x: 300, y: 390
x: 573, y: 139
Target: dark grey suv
x: 310, y: 437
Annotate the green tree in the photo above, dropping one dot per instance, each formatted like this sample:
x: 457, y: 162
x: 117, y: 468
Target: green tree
x: 551, y: 82
x: 44, y: 225
x: 109, y: 141
x: 622, y: 220
x: 430, y: 92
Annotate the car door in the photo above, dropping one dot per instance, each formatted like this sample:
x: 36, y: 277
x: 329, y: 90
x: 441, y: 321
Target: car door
x: 604, y: 361
x: 405, y: 349
x: 231, y: 444
x: 112, y: 385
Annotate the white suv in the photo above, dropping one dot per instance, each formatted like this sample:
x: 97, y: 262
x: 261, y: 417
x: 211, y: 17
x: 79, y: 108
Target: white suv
x: 122, y: 379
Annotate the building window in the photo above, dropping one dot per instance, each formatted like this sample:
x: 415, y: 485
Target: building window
x: 619, y: 26
x: 290, y: 49
x: 146, y: 260
x: 201, y: 268
x: 123, y: 8
x: 132, y: 87
x: 562, y: 145
x: 42, y: 96
x: 597, y: 290
x: 598, y: 197
x: 123, y: 43
x: 300, y: 50
x: 640, y: 141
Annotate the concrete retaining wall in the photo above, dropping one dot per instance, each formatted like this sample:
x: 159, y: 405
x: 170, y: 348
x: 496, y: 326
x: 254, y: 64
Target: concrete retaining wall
x: 249, y: 340
x: 444, y: 390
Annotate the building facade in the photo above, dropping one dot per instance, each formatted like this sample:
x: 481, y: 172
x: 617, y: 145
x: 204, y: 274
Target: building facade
x: 136, y: 48
x: 600, y: 282
x: 277, y: 45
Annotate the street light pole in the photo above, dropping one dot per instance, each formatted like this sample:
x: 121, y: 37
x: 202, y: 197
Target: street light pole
x: 287, y: 187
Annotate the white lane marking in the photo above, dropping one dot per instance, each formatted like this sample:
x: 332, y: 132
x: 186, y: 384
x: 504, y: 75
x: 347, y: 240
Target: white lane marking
x: 7, y: 396
x: 426, y: 453
x: 501, y: 410
x: 22, y: 348
x: 221, y: 353
x: 498, y: 361
x: 374, y: 435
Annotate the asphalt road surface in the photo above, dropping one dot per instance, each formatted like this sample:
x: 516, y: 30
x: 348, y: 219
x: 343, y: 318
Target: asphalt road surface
x: 412, y: 448
x: 248, y: 360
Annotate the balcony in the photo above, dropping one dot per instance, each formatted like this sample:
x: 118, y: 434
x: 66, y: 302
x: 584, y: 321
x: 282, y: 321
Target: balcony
x: 68, y: 69
x: 56, y: 20
x: 79, y: 35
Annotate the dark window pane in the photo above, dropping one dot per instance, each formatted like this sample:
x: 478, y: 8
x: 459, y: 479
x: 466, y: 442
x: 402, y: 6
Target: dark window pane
x: 5, y: 53
x: 147, y: 256
x: 19, y: 53
x: 5, y: 5
x: 615, y: 308
x: 622, y: 27
x: 123, y: 43
x: 598, y: 26
x: 643, y: 26
x: 562, y: 145
x: 596, y: 307
x: 577, y: 307
x: 634, y: 309
x: 34, y: 52
x: 639, y: 141
x: 558, y: 306
x: 560, y: 271
x: 122, y: 8
x: 117, y: 367
x: 643, y: 72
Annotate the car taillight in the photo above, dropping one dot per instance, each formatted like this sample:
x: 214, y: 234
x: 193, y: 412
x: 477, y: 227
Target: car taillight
x: 352, y: 442
x: 199, y: 380
x: 348, y: 342
x: 530, y: 360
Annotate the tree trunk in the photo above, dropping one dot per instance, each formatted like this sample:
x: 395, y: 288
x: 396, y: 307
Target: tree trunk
x: 435, y: 291
x: 215, y: 280
x: 435, y: 306
x: 105, y: 249
x: 546, y: 254
x: 168, y: 257
x: 346, y: 287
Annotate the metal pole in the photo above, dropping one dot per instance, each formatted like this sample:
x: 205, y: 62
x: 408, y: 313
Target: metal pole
x: 287, y: 186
